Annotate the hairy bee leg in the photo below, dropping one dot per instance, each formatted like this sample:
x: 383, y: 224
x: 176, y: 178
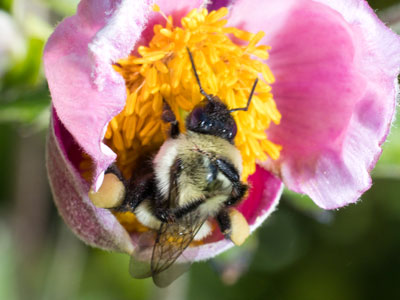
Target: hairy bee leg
x: 239, y: 189
x: 164, y: 214
x: 139, y: 189
x: 168, y: 116
x: 228, y: 170
x: 171, y: 215
x: 224, y: 222
x: 184, y: 210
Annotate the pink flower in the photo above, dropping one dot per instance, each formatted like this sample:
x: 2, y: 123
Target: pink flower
x: 336, y: 67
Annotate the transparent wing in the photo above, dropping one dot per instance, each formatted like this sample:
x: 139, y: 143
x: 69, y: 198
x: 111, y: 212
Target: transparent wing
x: 172, y: 239
x: 139, y: 266
x: 169, y: 275
x: 155, y: 256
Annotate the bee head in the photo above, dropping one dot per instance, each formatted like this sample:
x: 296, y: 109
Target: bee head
x: 211, y: 116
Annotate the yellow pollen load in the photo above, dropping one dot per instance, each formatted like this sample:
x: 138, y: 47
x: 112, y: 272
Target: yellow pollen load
x: 162, y: 72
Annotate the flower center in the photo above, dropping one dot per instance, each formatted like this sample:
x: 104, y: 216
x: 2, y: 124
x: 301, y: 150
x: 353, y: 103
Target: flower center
x: 225, y: 61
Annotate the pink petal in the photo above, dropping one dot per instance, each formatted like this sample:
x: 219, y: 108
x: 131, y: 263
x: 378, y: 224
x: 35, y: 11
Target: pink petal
x: 95, y: 226
x: 335, y: 87
x: 268, y: 16
x: 177, y: 9
x: 85, y: 90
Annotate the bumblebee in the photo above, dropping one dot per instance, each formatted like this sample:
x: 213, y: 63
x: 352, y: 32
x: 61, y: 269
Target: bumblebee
x: 194, y: 177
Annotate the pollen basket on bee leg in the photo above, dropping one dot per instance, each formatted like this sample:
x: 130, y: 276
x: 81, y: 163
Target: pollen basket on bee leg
x: 110, y: 194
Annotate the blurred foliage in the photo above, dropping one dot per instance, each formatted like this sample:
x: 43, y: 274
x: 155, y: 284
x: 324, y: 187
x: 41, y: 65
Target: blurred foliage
x: 7, y: 138
x: 25, y: 72
x: 30, y: 108
x: 63, y: 7
x: 391, y: 155
x: 301, y: 252
x: 381, y: 4
x: 6, y: 5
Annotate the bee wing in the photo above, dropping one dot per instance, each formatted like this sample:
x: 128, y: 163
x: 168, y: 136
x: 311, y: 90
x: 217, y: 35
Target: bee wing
x: 139, y: 266
x: 166, y: 277
x: 155, y: 256
x: 172, y: 239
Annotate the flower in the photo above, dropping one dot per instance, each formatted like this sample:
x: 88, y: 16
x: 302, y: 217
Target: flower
x: 335, y: 66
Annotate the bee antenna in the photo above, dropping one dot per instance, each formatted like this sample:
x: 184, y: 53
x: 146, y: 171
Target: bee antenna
x: 209, y: 97
x: 248, y: 101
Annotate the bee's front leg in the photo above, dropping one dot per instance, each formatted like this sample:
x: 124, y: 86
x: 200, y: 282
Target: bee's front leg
x: 239, y: 188
x: 224, y: 222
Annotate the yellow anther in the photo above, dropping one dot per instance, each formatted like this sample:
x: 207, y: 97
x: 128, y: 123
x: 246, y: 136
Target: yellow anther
x: 156, y: 8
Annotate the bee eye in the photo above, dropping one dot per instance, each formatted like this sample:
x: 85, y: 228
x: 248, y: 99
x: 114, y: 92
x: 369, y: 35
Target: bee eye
x: 197, y: 117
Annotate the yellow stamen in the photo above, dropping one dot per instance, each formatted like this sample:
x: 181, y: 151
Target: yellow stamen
x: 162, y: 70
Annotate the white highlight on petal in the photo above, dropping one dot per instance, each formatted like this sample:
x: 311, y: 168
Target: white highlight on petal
x: 261, y: 218
x: 99, y: 181
x: 106, y: 150
x: 103, y: 134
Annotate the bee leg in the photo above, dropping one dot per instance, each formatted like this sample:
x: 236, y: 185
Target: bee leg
x: 164, y: 214
x: 239, y: 189
x: 224, y: 222
x: 184, y: 210
x: 228, y: 170
x: 171, y: 215
x: 168, y: 116
x: 139, y: 189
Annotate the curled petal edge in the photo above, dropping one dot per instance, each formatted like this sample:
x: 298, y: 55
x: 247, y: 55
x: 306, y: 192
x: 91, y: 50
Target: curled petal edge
x: 95, y: 226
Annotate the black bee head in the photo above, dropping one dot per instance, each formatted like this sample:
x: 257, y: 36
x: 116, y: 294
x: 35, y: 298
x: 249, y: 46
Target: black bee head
x: 211, y: 116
